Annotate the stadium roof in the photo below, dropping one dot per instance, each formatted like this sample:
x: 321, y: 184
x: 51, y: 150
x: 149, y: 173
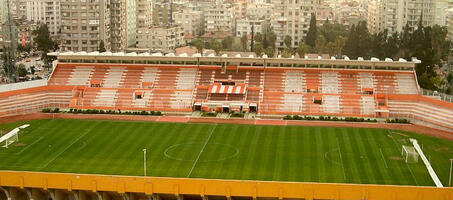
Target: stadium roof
x: 106, y: 57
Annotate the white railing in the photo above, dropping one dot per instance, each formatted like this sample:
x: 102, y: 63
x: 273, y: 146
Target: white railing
x: 437, y: 95
x: 23, y: 85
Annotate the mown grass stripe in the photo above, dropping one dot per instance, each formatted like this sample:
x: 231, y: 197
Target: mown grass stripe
x: 289, y: 153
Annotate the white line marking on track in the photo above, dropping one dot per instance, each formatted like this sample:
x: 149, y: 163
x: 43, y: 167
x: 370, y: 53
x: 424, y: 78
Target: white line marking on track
x: 383, y: 158
x: 39, y: 139
x: 83, y: 135
x: 202, y: 149
x: 341, y: 158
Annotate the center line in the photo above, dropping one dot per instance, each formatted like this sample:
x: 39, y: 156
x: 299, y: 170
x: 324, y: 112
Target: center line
x: 202, y: 149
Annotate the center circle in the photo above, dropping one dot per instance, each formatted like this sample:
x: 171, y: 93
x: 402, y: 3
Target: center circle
x: 193, y: 151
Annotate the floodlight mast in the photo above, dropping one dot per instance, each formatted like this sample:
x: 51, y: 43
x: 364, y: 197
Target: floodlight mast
x: 449, y: 178
x: 144, y: 162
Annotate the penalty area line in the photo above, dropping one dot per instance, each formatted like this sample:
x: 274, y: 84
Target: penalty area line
x: 341, y: 158
x: 58, y: 155
x: 202, y: 149
x: 397, y: 147
x: 29, y: 145
x: 383, y: 158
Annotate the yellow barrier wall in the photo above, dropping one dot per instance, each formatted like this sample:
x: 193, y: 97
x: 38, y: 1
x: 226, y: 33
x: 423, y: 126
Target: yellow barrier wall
x: 228, y: 188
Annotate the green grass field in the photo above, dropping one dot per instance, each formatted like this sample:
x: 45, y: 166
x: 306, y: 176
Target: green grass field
x: 223, y: 151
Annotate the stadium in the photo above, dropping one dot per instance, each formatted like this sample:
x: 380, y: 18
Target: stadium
x: 151, y: 126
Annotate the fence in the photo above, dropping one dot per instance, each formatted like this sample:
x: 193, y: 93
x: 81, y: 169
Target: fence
x: 437, y: 95
x: 23, y: 85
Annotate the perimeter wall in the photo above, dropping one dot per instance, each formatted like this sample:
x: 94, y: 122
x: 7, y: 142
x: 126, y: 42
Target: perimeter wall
x: 127, y: 187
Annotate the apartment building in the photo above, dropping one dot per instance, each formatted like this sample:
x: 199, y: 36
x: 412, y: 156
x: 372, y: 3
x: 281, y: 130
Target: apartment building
x: 123, y: 24
x: 161, y: 38
x: 372, y: 17
x: 240, y: 9
x: 260, y: 11
x: 144, y: 13
x: 393, y: 15
x: 450, y: 23
x: 219, y: 18
x: 349, y: 13
x: 244, y: 26
x: 84, y: 23
x: 442, y: 7
x: 190, y: 20
x: 46, y: 12
x: 162, y: 13
x: 292, y: 18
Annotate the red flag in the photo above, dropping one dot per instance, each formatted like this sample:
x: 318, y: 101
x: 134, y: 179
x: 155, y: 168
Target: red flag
x: 23, y: 40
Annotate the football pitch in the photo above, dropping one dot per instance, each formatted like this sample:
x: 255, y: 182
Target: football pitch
x: 224, y: 151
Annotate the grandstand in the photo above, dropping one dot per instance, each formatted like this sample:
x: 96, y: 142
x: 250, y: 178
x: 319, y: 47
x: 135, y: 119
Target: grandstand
x: 266, y: 86
x: 185, y: 86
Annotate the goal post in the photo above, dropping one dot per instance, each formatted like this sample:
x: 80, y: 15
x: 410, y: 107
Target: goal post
x: 12, y: 136
x: 12, y: 139
x: 409, y: 154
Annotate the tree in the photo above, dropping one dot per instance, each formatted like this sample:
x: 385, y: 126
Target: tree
x: 320, y: 44
x: 287, y: 52
x: 101, y: 46
x: 331, y: 48
x: 258, y: 37
x: 227, y: 43
x: 42, y: 38
x: 331, y: 31
x: 287, y: 41
x: 269, y: 39
x: 259, y: 49
x: 27, y: 48
x: 359, y: 41
x: 8, y: 66
x: 339, y: 43
x: 44, y: 43
x: 199, y: 44
x: 244, y: 42
x: 269, y: 52
x: 439, y: 35
x: 22, y: 72
x: 312, y: 32
x: 217, y: 46
x: 302, y: 49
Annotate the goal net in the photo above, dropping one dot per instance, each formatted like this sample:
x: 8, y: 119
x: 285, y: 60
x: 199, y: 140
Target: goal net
x: 12, y: 136
x: 409, y: 154
x: 10, y: 140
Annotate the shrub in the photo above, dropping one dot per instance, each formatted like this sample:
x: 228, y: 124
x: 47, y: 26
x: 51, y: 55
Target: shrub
x: 287, y: 117
x: 397, y: 120
x: 329, y: 118
x: 46, y: 110
x: 56, y: 110
x: 237, y: 115
x: 209, y: 114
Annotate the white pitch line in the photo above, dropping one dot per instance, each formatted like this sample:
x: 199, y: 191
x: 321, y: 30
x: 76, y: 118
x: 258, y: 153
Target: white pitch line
x: 410, y: 170
x: 29, y: 145
x: 66, y: 149
x: 383, y: 158
x: 202, y: 149
x: 341, y: 158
